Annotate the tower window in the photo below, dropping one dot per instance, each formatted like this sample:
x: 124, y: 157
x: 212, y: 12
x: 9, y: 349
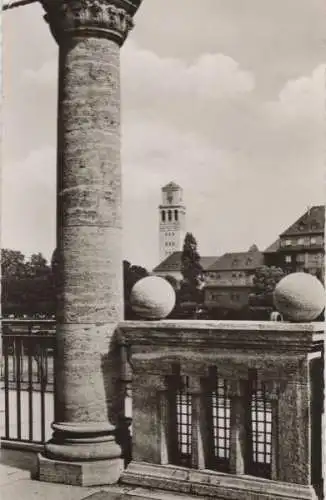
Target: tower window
x: 176, y: 215
x: 163, y: 215
x: 169, y: 215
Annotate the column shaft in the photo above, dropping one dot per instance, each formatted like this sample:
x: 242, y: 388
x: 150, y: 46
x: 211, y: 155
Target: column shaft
x: 89, y: 240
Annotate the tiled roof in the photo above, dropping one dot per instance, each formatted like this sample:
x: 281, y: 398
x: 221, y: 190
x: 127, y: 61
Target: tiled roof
x: 171, y: 185
x: 312, y: 221
x: 173, y: 263
x: 274, y: 247
x: 238, y: 261
x: 206, y: 262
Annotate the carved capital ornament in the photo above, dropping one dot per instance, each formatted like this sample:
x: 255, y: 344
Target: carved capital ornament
x: 100, y: 18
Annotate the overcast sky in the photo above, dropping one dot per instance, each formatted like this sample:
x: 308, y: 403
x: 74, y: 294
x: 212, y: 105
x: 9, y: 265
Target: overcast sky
x: 225, y: 97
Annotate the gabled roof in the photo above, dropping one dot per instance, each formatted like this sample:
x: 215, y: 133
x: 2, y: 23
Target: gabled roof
x: 312, y: 221
x: 171, y: 185
x: 206, y: 262
x: 274, y: 247
x: 173, y: 263
x: 238, y: 261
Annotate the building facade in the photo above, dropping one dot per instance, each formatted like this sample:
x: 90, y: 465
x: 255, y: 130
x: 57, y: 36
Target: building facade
x: 171, y: 266
x: 301, y: 246
x: 172, y: 220
x: 229, y: 280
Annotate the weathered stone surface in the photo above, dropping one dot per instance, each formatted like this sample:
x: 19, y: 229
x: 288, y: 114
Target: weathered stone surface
x: 279, y: 355
x: 89, y: 257
x: 80, y: 473
x: 213, y: 484
x: 102, y: 18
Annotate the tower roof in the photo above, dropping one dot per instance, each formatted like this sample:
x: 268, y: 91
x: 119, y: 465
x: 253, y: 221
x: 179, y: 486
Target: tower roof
x: 171, y: 186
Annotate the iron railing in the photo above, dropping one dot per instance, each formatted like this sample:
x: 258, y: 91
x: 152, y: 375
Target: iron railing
x: 27, y: 379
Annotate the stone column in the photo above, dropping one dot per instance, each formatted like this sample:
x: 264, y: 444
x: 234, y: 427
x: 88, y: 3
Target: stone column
x: 89, y: 33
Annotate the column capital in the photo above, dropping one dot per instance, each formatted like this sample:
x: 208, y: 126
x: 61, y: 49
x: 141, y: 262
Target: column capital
x: 111, y: 19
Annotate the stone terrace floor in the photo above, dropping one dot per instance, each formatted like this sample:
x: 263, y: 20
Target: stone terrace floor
x: 16, y: 468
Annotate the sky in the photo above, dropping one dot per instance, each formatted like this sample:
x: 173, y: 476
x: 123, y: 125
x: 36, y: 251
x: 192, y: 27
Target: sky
x: 224, y: 97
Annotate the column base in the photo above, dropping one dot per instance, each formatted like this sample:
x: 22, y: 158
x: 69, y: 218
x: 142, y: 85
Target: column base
x: 92, y: 473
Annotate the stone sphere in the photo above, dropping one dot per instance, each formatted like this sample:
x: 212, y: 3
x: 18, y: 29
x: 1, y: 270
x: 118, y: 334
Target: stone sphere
x: 299, y: 297
x: 152, y: 298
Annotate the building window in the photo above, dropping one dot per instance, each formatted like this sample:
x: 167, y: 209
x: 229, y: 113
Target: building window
x: 288, y: 259
x: 300, y: 241
x: 176, y: 215
x: 313, y: 241
x: 300, y: 257
x: 288, y: 242
x: 169, y: 215
x: 163, y: 215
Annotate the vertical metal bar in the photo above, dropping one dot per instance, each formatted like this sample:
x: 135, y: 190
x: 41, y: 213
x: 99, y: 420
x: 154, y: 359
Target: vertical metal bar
x: 14, y: 354
x: 30, y: 389
x: 42, y: 388
x: 5, y: 341
x: 18, y: 341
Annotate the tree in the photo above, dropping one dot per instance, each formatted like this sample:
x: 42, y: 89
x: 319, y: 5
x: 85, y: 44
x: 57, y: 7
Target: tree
x: 320, y: 275
x: 264, y: 283
x: 192, y: 272
x: 12, y: 263
x: 27, y: 285
x: 173, y: 281
x: 131, y: 274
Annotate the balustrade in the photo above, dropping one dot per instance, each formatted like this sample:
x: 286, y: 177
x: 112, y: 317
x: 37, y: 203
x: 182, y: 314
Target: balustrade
x: 226, y: 408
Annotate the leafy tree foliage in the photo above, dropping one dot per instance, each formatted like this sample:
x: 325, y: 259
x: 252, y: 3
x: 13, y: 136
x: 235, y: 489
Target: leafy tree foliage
x: 320, y: 276
x: 131, y: 274
x: 173, y: 281
x: 264, y: 283
x: 27, y: 285
x: 192, y: 272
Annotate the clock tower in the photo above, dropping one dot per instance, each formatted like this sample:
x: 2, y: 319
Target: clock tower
x: 172, y: 220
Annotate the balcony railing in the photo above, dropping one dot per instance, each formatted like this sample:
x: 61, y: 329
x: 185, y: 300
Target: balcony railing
x: 221, y: 407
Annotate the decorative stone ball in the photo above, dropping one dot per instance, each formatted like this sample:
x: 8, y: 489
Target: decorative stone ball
x: 299, y: 297
x: 152, y: 298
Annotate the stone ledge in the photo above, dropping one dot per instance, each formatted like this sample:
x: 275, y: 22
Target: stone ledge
x: 92, y: 473
x: 213, y: 484
x: 237, y: 325
x: 256, y: 336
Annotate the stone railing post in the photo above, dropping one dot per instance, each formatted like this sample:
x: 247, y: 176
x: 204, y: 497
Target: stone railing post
x: 272, y: 389
x: 199, y: 429
x: 89, y: 33
x: 238, y: 394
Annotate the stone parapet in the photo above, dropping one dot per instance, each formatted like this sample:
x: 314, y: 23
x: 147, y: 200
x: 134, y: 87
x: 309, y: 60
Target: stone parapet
x: 258, y: 427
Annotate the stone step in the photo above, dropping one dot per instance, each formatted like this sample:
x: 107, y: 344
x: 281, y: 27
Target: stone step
x: 137, y: 493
